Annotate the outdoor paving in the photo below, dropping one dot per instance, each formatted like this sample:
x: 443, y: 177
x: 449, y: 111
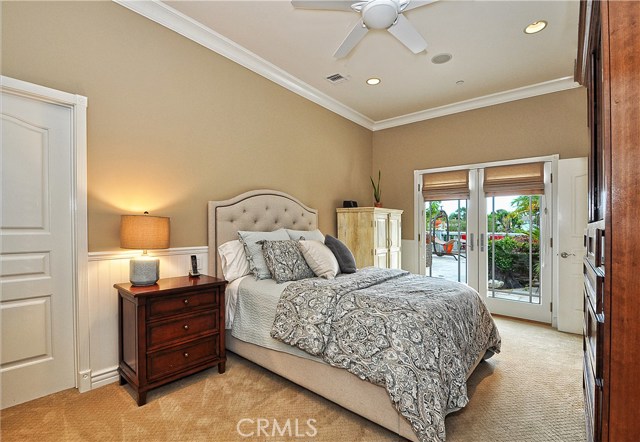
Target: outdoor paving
x: 447, y: 267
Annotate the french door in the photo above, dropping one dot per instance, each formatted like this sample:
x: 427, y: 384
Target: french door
x: 495, y: 237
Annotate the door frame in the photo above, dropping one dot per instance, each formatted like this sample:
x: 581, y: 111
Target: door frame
x: 78, y: 106
x: 419, y: 221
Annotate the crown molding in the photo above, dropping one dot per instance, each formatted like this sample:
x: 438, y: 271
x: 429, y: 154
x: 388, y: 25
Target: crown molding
x: 187, y: 27
x: 534, y: 90
x: 168, y: 17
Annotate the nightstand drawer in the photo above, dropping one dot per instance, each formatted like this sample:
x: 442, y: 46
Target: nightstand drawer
x: 167, y: 332
x: 165, y: 363
x: 182, y: 304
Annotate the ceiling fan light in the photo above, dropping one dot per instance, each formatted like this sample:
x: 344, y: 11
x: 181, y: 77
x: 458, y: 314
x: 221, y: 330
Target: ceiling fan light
x: 535, y: 27
x: 380, y: 14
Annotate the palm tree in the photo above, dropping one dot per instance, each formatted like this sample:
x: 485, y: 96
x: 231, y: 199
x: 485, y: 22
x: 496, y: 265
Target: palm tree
x: 525, y: 203
x: 463, y: 214
x: 501, y: 219
x: 431, y: 210
x: 458, y: 220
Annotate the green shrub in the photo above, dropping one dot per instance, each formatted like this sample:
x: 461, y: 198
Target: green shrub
x: 504, y: 249
x: 512, y: 260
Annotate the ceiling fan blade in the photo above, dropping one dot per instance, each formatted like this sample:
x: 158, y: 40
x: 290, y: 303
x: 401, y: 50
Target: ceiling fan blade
x: 404, y: 31
x: 413, y: 4
x: 332, y: 5
x: 350, y: 42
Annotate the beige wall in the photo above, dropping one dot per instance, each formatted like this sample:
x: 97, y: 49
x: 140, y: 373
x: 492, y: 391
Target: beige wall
x: 172, y: 125
x: 545, y: 125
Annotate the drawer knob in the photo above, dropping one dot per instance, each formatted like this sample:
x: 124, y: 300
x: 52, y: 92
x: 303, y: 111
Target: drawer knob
x: 186, y: 301
x: 186, y: 355
x: 186, y: 326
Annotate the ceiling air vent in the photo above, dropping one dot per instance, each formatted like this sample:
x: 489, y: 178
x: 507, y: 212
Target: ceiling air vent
x: 336, y: 78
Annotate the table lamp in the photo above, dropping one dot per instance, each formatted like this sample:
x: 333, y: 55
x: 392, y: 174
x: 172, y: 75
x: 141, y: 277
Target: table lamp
x: 144, y: 232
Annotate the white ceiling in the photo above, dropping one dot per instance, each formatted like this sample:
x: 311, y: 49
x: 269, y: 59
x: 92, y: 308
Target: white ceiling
x: 492, y: 55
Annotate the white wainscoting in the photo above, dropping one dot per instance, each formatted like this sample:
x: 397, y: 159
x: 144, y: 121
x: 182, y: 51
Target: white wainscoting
x: 107, y: 269
x: 410, y: 256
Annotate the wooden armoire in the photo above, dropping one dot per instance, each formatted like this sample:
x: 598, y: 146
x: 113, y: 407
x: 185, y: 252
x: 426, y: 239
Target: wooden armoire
x: 373, y: 234
x: 608, y: 64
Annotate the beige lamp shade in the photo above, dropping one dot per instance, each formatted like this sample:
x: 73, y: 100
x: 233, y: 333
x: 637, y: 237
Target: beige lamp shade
x: 144, y: 232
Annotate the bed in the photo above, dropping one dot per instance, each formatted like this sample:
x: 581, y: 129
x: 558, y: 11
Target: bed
x: 266, y: 211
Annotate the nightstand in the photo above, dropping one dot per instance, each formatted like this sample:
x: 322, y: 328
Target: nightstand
x: 170, y: 330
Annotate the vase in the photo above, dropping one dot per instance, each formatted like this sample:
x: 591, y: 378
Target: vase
x: 377, y: 204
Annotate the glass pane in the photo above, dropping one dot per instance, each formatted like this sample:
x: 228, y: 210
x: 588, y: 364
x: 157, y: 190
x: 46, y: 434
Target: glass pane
x: 513, y: 234
x: 446, y: 239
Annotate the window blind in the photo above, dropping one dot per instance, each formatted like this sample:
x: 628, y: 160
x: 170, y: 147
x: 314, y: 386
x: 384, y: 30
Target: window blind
x: 452, y: 185
x: 514, y: 179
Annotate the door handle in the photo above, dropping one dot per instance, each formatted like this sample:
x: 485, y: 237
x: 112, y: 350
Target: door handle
x: 482, y: 242
x: 471, y: 239
x: 566, y: 255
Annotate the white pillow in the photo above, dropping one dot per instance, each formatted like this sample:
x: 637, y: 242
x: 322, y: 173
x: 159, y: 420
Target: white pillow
x: 315, y: 235
x: 320, y: 258
x: 234, y: 260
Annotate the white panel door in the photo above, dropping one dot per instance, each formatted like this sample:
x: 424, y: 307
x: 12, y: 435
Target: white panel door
x: 36, y: 227
x: 572, y: 221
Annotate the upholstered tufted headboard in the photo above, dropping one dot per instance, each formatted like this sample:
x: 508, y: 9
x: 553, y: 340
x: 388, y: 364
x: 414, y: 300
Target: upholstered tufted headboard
x: 257, y: 210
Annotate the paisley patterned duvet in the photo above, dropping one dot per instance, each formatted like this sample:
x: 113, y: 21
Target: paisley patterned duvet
x: 416, y: 336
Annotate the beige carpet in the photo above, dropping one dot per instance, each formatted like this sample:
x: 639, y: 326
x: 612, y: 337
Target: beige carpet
x: 532, y: 391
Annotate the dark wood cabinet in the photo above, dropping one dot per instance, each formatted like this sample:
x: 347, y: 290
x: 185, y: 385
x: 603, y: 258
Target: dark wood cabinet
x: 609, y: 66
x: 170, y: 330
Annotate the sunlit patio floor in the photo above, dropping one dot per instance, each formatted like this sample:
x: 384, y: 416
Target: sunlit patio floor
x: 452, y: 269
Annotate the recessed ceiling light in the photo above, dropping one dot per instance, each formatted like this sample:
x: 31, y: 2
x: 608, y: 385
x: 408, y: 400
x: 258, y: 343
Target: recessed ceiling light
x: 536, y: 26
x: 441, y: 58
x: 373, y: 81
x: 460, y: 82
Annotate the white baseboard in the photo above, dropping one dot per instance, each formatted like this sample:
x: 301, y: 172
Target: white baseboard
x: 104, y: 377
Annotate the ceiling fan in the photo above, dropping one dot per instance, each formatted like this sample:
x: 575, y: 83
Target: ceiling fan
x: 376, y: 14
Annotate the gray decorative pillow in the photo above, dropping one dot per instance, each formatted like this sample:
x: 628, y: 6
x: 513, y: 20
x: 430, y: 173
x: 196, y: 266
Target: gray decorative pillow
x: 250, y: 241
x: 285, y: 261
x: 345, y: 258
